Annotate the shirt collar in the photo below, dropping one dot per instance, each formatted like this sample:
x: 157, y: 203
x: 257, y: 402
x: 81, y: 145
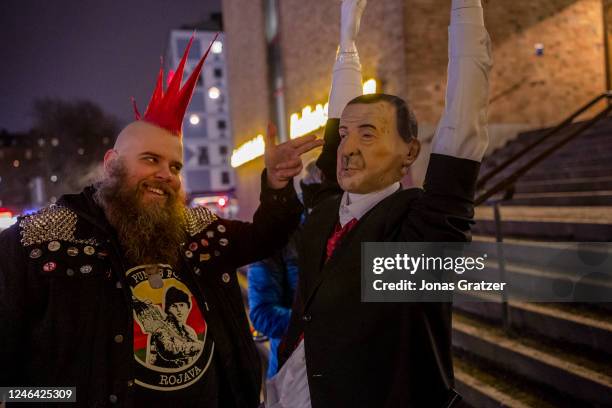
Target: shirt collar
x: 356, y: 205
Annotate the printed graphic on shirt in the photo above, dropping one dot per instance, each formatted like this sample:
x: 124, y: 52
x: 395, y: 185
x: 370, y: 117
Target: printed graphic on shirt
x: 170, y: 344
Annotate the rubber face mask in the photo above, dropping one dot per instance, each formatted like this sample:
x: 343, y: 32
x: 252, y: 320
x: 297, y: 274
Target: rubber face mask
x: 371, y: 151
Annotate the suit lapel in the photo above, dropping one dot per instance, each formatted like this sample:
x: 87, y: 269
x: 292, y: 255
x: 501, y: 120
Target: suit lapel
x: 317, y: 233
x: 341, y: 251
x: 369, y: 228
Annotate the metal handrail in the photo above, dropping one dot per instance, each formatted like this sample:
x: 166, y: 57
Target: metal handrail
x: 492, y: 173
x: 509, y: 181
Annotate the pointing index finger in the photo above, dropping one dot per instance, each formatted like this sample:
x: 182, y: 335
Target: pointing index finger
x: 302, y: 140
x: 306, y: 147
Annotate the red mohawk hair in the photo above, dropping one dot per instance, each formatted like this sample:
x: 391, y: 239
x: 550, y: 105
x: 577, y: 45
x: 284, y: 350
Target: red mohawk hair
x: 167, y: 109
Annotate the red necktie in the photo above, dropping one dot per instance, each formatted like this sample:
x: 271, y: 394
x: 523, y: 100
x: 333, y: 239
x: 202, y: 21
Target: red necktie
x: 339, y: 232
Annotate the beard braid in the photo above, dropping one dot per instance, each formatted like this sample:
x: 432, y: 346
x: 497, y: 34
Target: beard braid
x: 149, y: 233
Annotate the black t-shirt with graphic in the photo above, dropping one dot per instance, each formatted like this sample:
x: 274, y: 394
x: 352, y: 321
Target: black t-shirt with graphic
x: 174, y: 355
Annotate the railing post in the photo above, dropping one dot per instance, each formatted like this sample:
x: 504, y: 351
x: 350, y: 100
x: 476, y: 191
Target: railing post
x: 501, y: 261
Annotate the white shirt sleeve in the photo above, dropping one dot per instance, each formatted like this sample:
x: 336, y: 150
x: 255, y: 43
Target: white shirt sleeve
x: 462, y: 131
x: 346, y: 83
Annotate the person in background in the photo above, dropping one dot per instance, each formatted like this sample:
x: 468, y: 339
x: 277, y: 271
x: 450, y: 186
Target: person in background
x: 272, y: 282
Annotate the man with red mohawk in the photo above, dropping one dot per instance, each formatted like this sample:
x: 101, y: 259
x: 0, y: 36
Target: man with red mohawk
x: 124, y: 293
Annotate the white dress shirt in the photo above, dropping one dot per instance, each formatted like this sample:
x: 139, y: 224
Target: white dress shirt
x: 356, y: 205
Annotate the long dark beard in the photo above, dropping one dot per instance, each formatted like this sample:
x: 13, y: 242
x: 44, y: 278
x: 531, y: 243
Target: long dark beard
x: 149, y: 233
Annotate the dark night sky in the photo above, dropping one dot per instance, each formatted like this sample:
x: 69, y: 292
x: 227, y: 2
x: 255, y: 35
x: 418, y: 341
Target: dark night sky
x: 104, y: 51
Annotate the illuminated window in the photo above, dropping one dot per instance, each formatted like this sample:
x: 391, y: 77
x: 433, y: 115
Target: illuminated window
x: 214, y: 92
x: 194, y: 119
x: 217, y: 47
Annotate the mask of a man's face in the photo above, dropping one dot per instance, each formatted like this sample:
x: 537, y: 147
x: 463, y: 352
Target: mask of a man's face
x: 371, y: 154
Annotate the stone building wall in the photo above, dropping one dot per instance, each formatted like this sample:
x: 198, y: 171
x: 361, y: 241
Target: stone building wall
x: 403, y: 44
x: 525, y: 88
x: 249, y: 90
x: 309, y: 39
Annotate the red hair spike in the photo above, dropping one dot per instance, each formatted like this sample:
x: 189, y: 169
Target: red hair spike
x: 136, y: 112
x: 167, y: 109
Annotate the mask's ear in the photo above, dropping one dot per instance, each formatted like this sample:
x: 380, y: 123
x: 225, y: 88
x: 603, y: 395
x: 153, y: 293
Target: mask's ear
x: 414, y: 148
x: 109, y: 157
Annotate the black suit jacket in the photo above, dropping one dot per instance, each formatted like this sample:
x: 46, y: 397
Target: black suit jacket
x: 377, y: 354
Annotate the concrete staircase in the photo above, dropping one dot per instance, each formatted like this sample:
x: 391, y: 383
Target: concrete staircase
x: 550, y: 354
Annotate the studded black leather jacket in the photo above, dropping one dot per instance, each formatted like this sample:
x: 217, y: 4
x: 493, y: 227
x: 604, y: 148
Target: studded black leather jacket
x: 66, y: 316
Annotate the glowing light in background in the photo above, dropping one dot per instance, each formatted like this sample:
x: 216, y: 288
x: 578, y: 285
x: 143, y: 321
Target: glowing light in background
x: 248, y: 151
x: 6, y: 222
x: 369, y: 86
x: 194, y: 119
x: 214, y: 93
x: 300, y: 124
x: 6, y: 218
x: 309, y: 120
x: 217, y: 47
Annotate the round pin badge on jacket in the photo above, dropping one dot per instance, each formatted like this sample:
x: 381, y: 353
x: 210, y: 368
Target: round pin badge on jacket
x: 49, y: 266
x: 35, y: 253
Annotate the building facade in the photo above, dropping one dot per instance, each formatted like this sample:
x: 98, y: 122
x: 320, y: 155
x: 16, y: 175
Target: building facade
x: 549, y: 59
x: 207, y: 135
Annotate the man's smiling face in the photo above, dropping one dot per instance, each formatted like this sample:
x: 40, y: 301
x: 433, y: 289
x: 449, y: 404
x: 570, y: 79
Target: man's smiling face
x: 153, y: 159
x: 141, y: 194
x: 371, y: 152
